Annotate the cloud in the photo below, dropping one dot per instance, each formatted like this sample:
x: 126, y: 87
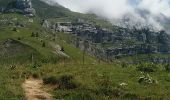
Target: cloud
x: 138, y: 12
x: 107, y: 8
x: 156, y: 7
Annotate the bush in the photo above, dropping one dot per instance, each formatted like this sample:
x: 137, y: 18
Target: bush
x: 35, y: 75
x: 64, y: 82
x: 167, y: 67
x: 14, y: 29
x: 124, y: 65
x: 19, y: 38
x: 147, y: 67
x: 36, y: 65
x: 43, y: 45
x: 37, y: 34
x: 50, y: 80
x: 32, y: 35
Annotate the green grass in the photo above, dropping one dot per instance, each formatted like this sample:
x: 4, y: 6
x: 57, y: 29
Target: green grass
x: 95, y: 81
x: 90, y: 77
x: 140, y: 57
x: 24, y: 33
x: 10, y: 83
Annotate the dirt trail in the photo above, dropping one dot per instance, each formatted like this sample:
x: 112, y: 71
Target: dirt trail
x: 33, y: 90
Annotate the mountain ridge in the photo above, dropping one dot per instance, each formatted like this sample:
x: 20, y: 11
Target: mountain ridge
x: 80, y: 57
x: 112, y: 42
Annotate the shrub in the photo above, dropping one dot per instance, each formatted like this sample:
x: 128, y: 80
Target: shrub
x: 167, y: 67
x: 14, y: 29
x: 19, y: 38
x: 54, y: 39
x: 64, y: 82
x: 50, y: 80
x: 124, y: 65
x: 43, y: 44
x: 35, y: 75
x: 32, y: 35
x: 36, y: 65
x: 147, y: 67
x: 37, y: 34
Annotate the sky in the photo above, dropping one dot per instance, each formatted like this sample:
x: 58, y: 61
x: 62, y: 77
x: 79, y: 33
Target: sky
x: 145, y: 12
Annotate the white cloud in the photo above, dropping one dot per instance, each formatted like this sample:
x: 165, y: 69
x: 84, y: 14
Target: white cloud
x: 107, y: 8
x: 156, y: 7
x: 118, y: 9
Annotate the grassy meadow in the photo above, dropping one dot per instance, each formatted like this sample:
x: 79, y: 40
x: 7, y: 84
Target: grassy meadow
x: 67, y: 77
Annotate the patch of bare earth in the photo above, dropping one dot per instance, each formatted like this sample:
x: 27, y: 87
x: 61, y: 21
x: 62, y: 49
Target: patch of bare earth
x: 34, y: 90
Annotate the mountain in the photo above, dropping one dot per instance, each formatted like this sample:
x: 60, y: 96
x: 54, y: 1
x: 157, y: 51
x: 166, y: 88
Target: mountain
x: 59, y: 54
x: 46, y: 11
x: 112, y: 41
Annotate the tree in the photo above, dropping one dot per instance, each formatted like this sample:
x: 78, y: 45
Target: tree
x: 32, y: 34
x: 14, y: 29
x: 43, y: 45
x: 19, y: 38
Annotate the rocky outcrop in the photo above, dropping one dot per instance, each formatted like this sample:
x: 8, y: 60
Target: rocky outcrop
x: 2, y: 9
x: 26, y: 7
x: 19, y: 6
x: 114, y: 43
x: 23, y: 4
x: 121, y: 42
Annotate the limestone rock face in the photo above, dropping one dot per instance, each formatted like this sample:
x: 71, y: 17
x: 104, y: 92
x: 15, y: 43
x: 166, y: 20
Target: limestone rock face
x: 26, y: 7
x: 23, y: 4
x: 114, y: 43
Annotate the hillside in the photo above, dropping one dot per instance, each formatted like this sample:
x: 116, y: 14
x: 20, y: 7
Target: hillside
x: 39, y: 54
x: 112, y: 41
x: 5, y: 3
x: 46, y: 11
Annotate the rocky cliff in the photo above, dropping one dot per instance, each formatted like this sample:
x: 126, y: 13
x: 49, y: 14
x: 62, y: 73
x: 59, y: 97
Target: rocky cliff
x: 20, y: 6
x: 26, y: 7
x: 114, y: 43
